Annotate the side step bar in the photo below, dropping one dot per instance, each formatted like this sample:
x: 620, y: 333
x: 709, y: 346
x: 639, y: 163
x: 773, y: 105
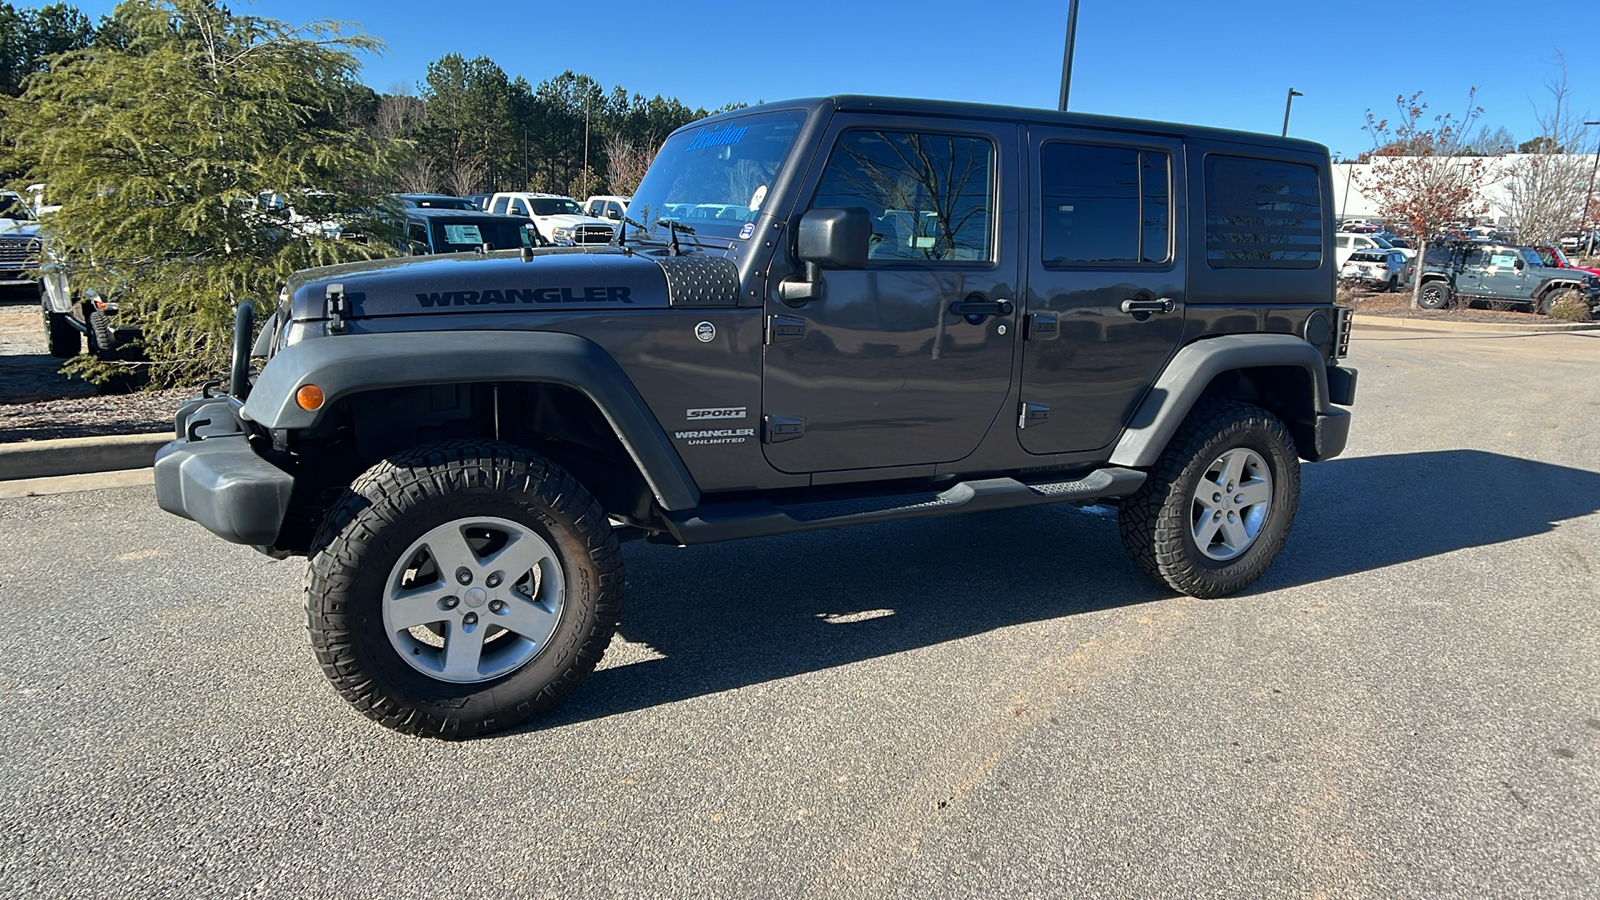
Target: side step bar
x: 714, y: 522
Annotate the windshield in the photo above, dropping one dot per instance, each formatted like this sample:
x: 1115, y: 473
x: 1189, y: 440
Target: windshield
x: 12, y: 207
x: 715, y: 178
x: 554, y: 206
x: 1382, y: 243
x: 1532, y: 257
x: 442, y: 203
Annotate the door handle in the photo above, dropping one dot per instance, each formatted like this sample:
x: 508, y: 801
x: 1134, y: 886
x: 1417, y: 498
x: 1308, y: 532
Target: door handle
x: 975, y: 308
x: 1136, y: 307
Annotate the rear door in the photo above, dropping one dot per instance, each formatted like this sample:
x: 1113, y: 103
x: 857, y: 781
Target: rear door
x: 1105, y: 285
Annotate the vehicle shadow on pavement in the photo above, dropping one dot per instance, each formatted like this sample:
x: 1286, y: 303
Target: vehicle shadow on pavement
x: 1363, y: 513
x: 731, y: 615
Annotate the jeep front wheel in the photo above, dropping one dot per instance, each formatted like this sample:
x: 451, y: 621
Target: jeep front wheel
x: 1434, y: 295
x: 1218, y: 504
x: 64, y: 341
x: 461, y: 588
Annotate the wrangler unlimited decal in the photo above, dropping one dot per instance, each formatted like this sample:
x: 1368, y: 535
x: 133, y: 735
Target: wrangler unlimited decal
x: 527, y: 295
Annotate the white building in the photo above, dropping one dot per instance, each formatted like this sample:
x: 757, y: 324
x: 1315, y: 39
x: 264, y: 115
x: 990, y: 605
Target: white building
x: 1351, y: 203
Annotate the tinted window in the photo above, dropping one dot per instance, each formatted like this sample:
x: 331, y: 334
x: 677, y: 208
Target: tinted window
x: 1262, y: 214
x: 1102, y: 204
x: 470, y: 234
x: 518, y: 208
x: 931, y: 196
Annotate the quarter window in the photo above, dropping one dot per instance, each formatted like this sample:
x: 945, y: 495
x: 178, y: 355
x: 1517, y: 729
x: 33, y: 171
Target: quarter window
x: 1262, y: 214
x: 1103, y: 205
x: 931, y: 196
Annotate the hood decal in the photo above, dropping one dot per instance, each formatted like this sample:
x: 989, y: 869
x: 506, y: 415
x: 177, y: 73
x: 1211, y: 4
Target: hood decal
x: 475, y: 283
x: 613, y: 294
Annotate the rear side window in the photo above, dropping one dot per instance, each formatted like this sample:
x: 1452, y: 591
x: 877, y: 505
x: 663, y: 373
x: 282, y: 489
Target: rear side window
x: 1103, y: 205
x: 1262, y: 214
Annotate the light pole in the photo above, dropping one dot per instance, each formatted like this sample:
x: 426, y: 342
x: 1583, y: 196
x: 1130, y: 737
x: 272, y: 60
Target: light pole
x: 1588, y: 197
x: 1066, y: 59
x: 1286, y: 106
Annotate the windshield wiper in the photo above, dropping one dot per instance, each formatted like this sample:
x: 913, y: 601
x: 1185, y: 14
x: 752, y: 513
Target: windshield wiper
x: 676, y: 227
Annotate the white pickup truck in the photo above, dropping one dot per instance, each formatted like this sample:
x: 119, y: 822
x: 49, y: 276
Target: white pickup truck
x: 559, y: 219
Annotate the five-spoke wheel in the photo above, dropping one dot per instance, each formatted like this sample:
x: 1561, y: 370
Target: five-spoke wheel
x: 460, y: 588
x: 1219, y: 502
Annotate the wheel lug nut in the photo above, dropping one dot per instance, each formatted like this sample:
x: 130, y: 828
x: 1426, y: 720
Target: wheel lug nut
x: 464, y: 575
x: 497, y: 606
x: 493, y: 580
x: 448, y: 603
x: 1216, y: 498
x: 470, y: 619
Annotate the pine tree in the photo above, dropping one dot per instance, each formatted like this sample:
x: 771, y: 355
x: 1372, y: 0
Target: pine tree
x: 159, y: 145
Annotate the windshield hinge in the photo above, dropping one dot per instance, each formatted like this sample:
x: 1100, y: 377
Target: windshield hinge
x: 338, y: 307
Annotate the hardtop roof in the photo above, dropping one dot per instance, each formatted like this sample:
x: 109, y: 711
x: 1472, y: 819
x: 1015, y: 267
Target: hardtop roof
x: 963, y: 110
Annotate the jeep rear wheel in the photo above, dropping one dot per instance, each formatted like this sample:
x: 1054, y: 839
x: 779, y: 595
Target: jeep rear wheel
x: 461, y: 588
x: 1218, y: 504
x: 1434, y: 295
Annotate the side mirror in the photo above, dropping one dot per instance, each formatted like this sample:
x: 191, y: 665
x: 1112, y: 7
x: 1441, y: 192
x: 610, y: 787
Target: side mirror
x: 613, y: 215
x: 1519, y: 264
x: 831, y: 239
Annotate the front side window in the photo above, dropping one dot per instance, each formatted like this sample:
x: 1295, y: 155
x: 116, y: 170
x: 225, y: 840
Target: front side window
x: 518, y: 208
x: 1103, y: 205
x: 1262, y: 214
x: 499, y: 207
x: 930, y: 196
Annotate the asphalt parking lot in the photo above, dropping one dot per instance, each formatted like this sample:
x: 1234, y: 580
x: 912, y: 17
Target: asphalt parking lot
x: 1408, y: 705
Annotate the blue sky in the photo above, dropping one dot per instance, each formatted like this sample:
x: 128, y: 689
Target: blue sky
x: 1226, y: 63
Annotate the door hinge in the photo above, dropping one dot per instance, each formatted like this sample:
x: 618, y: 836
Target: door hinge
x: 1033, y: 414
x: 785, y: 328
x: 778, y: 429
x: 1041, y: 327
x: 338, y: 308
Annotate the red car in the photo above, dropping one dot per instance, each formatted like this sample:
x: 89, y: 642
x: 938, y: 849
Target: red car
x: 1554, y: 258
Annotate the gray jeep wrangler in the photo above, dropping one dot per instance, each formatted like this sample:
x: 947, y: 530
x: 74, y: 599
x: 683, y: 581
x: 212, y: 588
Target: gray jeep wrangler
x: 816, y: 314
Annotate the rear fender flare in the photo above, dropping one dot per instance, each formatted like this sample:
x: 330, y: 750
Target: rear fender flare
x: 1192, y: 370
x: 344, y: 365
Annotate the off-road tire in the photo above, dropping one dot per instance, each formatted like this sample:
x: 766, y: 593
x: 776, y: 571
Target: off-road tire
x: 1551, y: 298
x: 65, y: 341
x: 384, y: 511
x: 101, y: 338
x: 1156, y: 523
x: 1434, y: 295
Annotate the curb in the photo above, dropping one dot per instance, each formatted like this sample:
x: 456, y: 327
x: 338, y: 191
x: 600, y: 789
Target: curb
x: 1401, y: 324
x: 79, y: 456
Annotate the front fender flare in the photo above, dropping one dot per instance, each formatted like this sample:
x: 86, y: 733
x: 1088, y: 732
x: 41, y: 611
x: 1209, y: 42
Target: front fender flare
x: 351, y: 364
x: 1192, y: 370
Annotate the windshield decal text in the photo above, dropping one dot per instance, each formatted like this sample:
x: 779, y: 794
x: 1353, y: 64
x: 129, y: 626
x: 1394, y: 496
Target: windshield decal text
x: 527, y: 295
x: 720, y: 138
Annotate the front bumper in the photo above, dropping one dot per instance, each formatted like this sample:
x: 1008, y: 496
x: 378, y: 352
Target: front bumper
x: 211, y: 475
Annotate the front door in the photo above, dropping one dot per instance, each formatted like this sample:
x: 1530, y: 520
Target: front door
x: 1105, y: 288
x: 885, y: 369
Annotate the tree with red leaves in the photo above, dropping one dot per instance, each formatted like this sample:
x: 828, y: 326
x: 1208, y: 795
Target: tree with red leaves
x: 1421, y: 172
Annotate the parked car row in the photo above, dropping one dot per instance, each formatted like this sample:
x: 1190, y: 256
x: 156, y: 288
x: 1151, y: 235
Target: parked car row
x: 75, y: 314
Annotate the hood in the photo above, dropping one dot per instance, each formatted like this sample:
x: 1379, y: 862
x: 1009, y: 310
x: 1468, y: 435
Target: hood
x: 25, y: 228
x: 477, y: 283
